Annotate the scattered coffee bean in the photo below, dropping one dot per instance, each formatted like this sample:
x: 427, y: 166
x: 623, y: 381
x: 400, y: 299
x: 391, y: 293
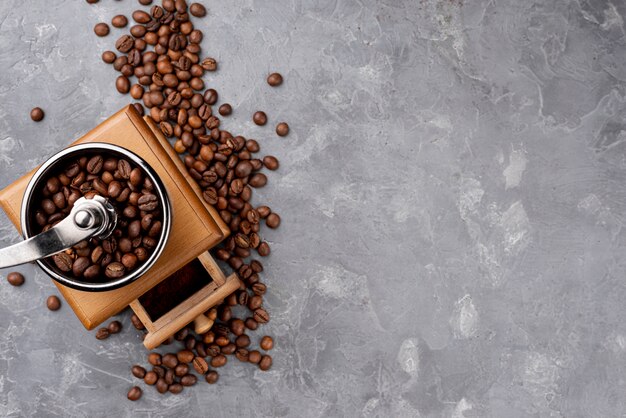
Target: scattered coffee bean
x: 254, y: 356
x: 37, y: 114
x: 154, y: 359
x: 212, y: 377
x: 114, y: 327
x: 170, y: 360
x: 162, y: 385
x: 265, y: 363
x: 101, y: 29
x: 218, y: 361
x: 145, y: 2
x: 272, y: 220
x: 270, y: 162
x: 138, y: 371
x: 109, y: 57
x: 275, y: 79
x: 267, y: 343
x: 188, y: 380
x: 53, y: 303
x: 119, y: 21
x: 225, y: 109
x: 134, y: 319
x: 282, y: 129
x: 102, y: 334
x: 176, y: 388
x: 134, y: 393
x: 15, y: 279
x: 197, y: 10
x: 260, y: 118
x: 200, y: 365
x: 150, y: 378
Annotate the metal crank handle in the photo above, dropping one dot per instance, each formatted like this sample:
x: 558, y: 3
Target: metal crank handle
x: 88, y: 218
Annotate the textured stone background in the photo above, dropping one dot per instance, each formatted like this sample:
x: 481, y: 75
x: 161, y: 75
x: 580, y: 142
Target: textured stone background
x: 452, y: 196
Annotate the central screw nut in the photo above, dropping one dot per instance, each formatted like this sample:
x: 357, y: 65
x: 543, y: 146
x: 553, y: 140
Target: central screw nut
x: 83, y: 219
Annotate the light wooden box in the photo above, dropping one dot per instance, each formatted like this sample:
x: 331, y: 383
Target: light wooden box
x: 196, y: 228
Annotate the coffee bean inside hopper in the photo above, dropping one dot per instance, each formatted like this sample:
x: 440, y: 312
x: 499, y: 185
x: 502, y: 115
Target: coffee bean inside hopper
x: 139, y: 223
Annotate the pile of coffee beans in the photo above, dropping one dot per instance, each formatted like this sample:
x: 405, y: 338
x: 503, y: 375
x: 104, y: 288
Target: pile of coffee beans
x: 161, y: 66
x: 139, y: 224
x: 171, y: 372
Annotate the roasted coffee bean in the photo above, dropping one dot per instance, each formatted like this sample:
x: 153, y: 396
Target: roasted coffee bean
x: 53, y: 303
x: 185, y: 356
x: 138, y: 371
x: 229, y: 349
x: 63, y: 261
x: 255, y: 302
x: 176, y: 388
x: 270, y: 162
x: 263, y: 249
x: 282, y: 129
x: 101, y: 29
x: 259, y: 118
x: 148, y: 202
x: 80, y: 265
x: 258, y: 180
x: 115, y: 270
x: 200, y: 365
x: 272, y: 220
x: 218, y: 361
x: 209, y: 64
x: 261, y: 316
x: 265, y: 363
x: 275, y: 79
x: 92, y: 272
x: 212, y: 377
x: 94, y: 165
x: 140, y: 16
x: 242, y: 354
x: 119, y: 21
x: 169, y: 376
x: 114, y: 327
x: 123, y: 170
x: 125, y: 43
x: 197, y: 10
x: 134, y: 393
x: 213, y: 350
x: 259, y: 288
x: 237, y: 326
x: 263, y: 211
x: 200, y: 350
x: 254, y: 356
x: 243, y: 169
x: 267, y: 343
x: 150, y: 378
x: 181, y: 370
x: 129, y: 261
x: 210, y: 96
x: 210, y: 196
x: 15, y: 279
x: 37, y: 114
x: 188, y: 380
x: 102, y: 334
x: 170, y: 360
x: 154, y: 359
x: 225, y: 109
x: 162, y: 386
x: 242, y: 341
x: 222, y: 341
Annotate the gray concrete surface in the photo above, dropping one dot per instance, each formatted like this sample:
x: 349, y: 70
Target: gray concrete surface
x: 452, y: 196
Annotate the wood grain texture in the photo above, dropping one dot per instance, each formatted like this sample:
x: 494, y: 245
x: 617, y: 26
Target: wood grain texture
x: 195, y: 229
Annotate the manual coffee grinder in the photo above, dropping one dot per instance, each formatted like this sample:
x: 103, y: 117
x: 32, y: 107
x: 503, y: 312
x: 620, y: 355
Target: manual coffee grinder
x: 180, y: 281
